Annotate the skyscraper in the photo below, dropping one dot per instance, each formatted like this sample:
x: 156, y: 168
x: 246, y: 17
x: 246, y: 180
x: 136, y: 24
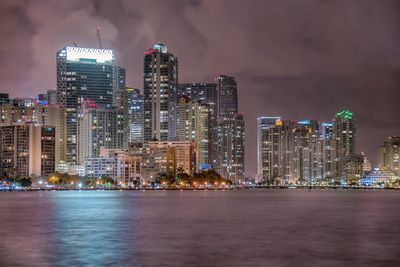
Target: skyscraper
x: 83, y: 73
x: 160, y: 84
x: 231, y: 143
x: 328, y: 152
x: 99, y: 128
x: 135, y: 114
x: 230, y: 127
x: 194, y: 124
x: 205, y: 93
x: 263, y: 124
x: 344, y: 133
x: 227, y: 99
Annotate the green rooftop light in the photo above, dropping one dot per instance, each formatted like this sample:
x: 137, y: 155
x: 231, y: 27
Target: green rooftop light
x: 345, y: 113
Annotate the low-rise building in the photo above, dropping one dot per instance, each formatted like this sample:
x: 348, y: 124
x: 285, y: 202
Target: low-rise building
x: 168, y: 156
x: 378, y: 177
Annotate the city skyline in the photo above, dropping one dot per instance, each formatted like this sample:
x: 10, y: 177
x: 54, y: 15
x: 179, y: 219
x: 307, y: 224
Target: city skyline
x: 313, y: 78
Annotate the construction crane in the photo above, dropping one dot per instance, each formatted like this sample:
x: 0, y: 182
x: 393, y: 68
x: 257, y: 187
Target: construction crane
x: 98, y: 37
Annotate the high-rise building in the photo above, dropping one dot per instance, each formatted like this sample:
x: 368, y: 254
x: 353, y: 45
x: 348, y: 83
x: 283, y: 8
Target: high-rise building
x: 160, y: 83
x: 263, y: 146
x: 328, y: 152
x: 40, y: 114
x: 344, y: 133
x: 194, y: 124
x: 281, y: 150
x: 135, y: 113
x: 26, y: 150
x: 227, y: 97
x: 231, y: 138
x: 119, y: 78
x: 83, y: 74
x: 291, y: 152
x: 229, y: 142
x: 205, y: 93
x: 389, y: 155
x: 98, y: 128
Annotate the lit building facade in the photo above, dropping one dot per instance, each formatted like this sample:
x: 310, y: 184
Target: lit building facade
x: 169, y: 156
x: 160, y: 84
x: 194, y: 124
x: 304, y: 151
x: 83, y: 74
x: 389, y: 155
x: 205, y: 94
x: 378, y: 177
x: 40, y: 114
x: 99, y: 128
x: 135, y: 113
x: 264, y: 146
x: 344, y: 133
x: 328, y: 152
x: 117, y: 164
x: 26, y: 150
x: 227, y: 98
x: 231, y: 142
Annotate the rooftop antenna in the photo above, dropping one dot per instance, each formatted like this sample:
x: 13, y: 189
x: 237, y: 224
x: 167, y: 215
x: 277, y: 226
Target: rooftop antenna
x: 98, y: 36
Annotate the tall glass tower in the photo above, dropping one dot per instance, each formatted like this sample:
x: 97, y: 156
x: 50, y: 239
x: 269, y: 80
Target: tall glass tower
x: 160, y: 84
x: 83, y: 74
x: 135, y: 105
x: 227, y: 98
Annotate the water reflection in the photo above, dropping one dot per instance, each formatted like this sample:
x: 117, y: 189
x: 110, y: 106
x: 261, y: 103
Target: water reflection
x: 164, y: 228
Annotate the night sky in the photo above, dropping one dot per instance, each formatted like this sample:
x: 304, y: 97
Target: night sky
x: 296, y: 59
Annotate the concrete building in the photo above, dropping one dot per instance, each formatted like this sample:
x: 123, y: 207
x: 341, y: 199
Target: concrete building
x: 344, y: 134
x: 160, y: 84
x: 353, y: 168
x: 205, y: 93
x: 98, y: 128
x: 169, y: 156
x: 116, y: 164
x: 389, y: 155
x: 26, y: 150
x: 38, y: 113
x: 378, y: 177
x: 231, y: 144
x: 264, y: 146
x: 194, y: 124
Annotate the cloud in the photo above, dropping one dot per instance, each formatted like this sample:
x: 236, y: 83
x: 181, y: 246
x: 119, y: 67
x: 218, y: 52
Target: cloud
x: 292, y: 58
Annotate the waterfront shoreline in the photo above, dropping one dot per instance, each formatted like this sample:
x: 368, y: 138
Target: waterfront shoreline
x: 202, y: 189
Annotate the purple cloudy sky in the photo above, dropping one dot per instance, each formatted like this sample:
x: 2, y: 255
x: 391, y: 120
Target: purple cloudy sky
x: 297, y: 59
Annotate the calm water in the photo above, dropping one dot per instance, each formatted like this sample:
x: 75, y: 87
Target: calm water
x: 173, y: 228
